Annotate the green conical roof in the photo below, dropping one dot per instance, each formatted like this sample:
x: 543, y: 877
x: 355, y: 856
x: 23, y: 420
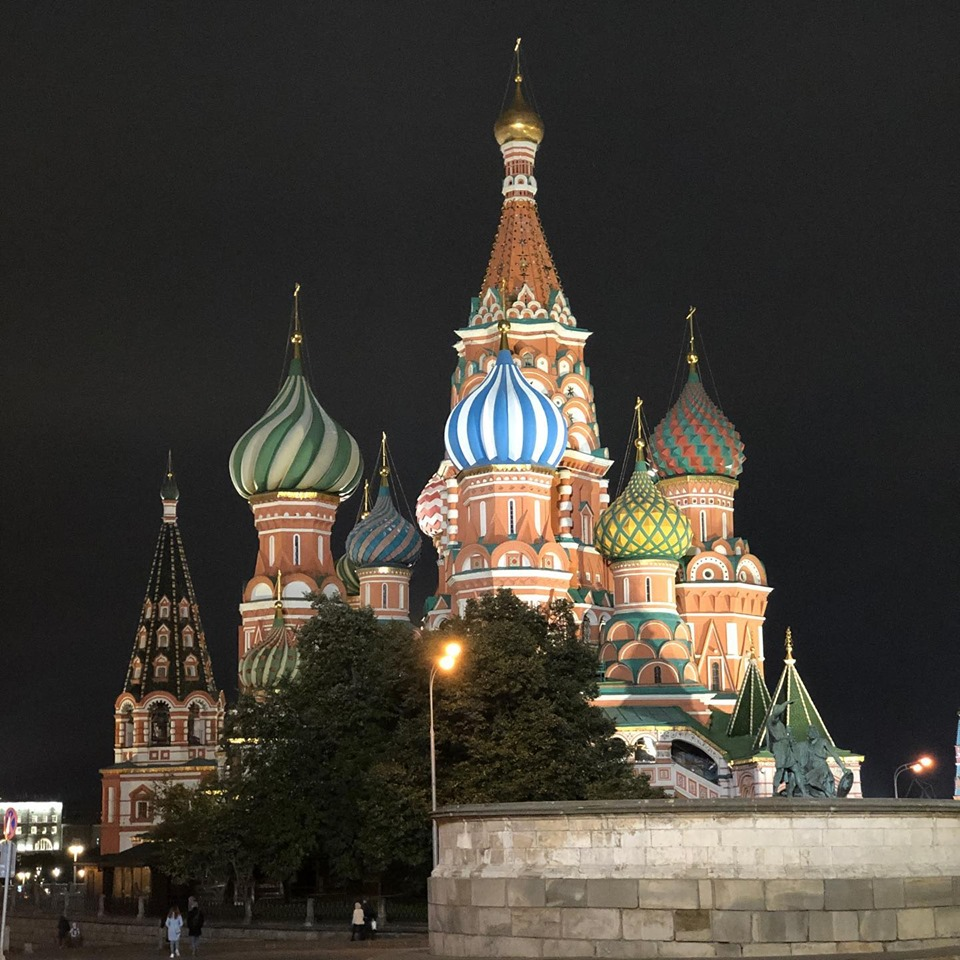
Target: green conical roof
x: 801, y: 713
x: 753, y: 703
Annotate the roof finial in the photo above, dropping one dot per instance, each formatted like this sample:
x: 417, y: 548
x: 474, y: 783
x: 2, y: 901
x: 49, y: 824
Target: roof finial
x: 278, y: 603
x: 518, y: 78
x: 384, y: 469
x: 789, y: 645
x: 638, y: 443
x: 297, y: 337
x: 365, y: 512
x: 692, y: 357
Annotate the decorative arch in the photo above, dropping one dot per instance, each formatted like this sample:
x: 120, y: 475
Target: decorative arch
x: 499, y: 557
x: 668, y: 674
x: 672, y: 650
x: 619, y: 671
x: 655, y: 630
x: 620, y: 631
x: 710, y: 566
x: 637, y: 651
x: 608, y: 653
x: 581, y: 437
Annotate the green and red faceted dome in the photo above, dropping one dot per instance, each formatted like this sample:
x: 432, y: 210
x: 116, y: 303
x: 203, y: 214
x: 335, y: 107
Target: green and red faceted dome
x: 695, y: 437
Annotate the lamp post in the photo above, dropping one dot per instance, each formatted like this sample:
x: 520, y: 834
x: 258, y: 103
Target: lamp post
x: 917, y: 766
x: 443, y: 664
x: 75, y: 849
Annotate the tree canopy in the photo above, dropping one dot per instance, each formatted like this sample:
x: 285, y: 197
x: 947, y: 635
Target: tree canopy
x: 335, y: 763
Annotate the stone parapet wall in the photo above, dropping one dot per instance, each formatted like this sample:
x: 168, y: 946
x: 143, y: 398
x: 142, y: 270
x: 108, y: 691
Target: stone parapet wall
x: 686, y: 879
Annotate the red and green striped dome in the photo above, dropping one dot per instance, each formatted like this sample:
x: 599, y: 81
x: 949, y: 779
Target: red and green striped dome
x: 695, y: 437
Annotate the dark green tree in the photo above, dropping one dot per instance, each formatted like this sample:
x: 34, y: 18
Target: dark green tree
x: 514, y: 723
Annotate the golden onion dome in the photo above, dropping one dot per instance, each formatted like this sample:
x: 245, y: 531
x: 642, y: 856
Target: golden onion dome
x: 519, y: 121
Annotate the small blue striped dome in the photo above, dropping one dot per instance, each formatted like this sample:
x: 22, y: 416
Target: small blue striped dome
x: 383, y: 538
x: 505, y: 421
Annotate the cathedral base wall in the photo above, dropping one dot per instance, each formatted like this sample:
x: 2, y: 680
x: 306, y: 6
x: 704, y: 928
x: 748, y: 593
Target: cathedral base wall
x: 657, y: 878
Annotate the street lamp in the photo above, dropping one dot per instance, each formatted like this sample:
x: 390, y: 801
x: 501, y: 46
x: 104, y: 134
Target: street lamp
x: 75, y: 849
x: 55, y: 872
x: 443, y: 664
x: 917, y: 766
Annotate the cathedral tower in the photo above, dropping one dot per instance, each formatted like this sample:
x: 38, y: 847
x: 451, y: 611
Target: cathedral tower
x: 722, y: 592
x: 168, y: 719
x: 382, y: 550
x: 521, y: 288
x: 294, y: 466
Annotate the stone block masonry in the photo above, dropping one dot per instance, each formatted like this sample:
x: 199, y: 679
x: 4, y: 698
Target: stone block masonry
x: 724, y: 878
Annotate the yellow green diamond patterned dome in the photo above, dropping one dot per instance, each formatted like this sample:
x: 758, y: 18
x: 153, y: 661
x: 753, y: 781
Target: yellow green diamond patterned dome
x: 641, y: 524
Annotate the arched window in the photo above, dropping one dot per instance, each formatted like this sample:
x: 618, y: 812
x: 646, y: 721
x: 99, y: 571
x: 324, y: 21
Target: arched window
x: 164, y: 609
x: 160, y: 666
x: 723, y: 521
x: 320, y: 549
x: 703, y: 525
x: 142, y: 637
x: 184, y: 609
x: 126, y: 726
x: 296, y: 549
x: 148, y: 611
x: 187, y: 637
x: 714, y: 676
x: 626, y: 589
x: 657, y: 675
x: 163, y: 637
x: 483, y: 518
x: 383, y: 595
x: 137, y: 668
x: 647, y: 589
x: 190, y: 668
x: 273, y: 551
x: 160, y: 725
x: 512, y: 517
x: 194, y: 725
x: 645, y: 751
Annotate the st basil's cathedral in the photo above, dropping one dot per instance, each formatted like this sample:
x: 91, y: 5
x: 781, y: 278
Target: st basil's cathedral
x: 659, y: 580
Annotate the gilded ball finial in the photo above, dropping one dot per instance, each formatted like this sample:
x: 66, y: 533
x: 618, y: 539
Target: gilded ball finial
x: 692, y: 357
x: 519, y: 121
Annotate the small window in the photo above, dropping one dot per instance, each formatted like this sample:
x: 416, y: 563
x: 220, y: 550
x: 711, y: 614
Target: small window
x: 142, y: 810
x: 137, y: 668
x: 657, y: 675
x: 188, y: 637
x: 164, y: 609
x: 715, y: 676
x: 476, y: 563
x: 273, y: 551
x: 703, y: 526
x: 296, y: 549
x: 142, y: 638
x: 512, y: 517
x: 647, y: 589
x: 707, y: 574
x: 148, y: 611
x: 190, y: 669
x: 383, y: 595
x: 194, y: 725
x: 163, y: 637
x: 160, y: 669
x: 483, y: 518
x: 184, y: 609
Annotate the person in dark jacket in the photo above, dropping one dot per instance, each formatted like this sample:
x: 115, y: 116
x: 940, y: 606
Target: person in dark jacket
x: 63, y: 931
x: 369, y: 920
x: 194, y: 924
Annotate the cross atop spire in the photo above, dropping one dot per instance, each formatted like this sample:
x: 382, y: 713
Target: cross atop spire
x: 297, y: 337
x: 692, y: 357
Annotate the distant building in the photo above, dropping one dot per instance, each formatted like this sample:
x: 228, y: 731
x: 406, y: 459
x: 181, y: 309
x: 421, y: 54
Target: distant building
x: 169, y: 717
x: 39, y: 824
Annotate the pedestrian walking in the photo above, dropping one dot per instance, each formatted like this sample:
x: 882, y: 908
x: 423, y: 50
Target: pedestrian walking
x: 63, y: 931
x: 174, y: 924
x: 194, y: 924
x: 369, y: 919
x: 357, y: 928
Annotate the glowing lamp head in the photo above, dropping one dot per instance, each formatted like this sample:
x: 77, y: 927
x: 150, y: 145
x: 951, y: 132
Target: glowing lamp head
x: 925, y: 762
x: 453, y: 650
x: 446, y: 663
x: 56, y: 872
x: 75, y: 849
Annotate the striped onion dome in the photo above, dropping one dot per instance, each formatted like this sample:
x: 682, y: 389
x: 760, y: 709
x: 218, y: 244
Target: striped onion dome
x: 347, y: 572
x: 695, y: 437
x: 276, y: 659
x: 296, y: 445
x: 641, y: 524
x: 505, y: 421
x: 430, y: 507
x: 383, y: 538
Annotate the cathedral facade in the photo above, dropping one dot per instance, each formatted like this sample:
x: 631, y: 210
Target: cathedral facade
x: 660, y: 580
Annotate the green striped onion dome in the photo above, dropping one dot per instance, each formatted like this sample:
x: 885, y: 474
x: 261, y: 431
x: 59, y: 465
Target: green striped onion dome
x: 384, y: 537
x: 296, y: 445
x: 695, y: 437
x: 347, y: 572
x: 276, y: 659
x: 641, y: 524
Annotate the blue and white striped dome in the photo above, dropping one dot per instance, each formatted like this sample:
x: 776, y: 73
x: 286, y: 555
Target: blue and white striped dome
x: 383, y: 537
x: 505, y: 421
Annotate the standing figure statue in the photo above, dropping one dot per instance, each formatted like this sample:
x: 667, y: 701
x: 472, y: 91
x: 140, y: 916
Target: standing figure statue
x: 787, y: 754
x: 818, y: 774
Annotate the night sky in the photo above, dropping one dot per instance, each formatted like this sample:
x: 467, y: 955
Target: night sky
x: 170, y: 170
